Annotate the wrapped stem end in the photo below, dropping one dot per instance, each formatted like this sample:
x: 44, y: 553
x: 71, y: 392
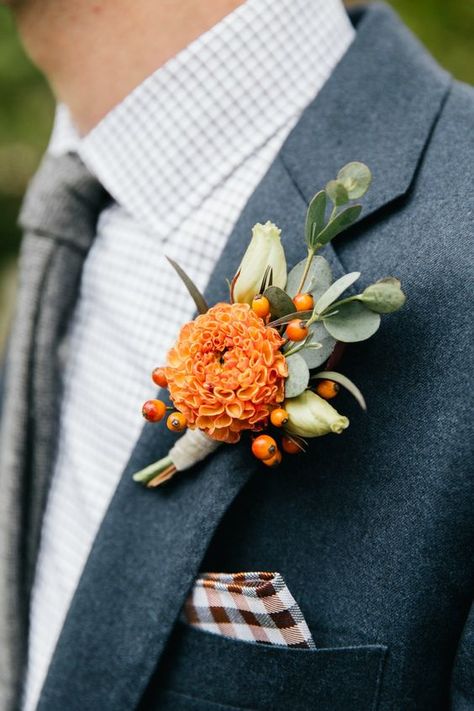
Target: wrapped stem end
x: 191, y: 448
x: 156, y: 474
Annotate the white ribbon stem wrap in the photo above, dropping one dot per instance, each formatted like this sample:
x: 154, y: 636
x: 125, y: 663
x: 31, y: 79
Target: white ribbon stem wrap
x: 191, y: 448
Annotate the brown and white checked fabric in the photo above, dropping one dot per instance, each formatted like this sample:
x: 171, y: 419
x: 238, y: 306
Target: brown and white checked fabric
x: 252, y: 607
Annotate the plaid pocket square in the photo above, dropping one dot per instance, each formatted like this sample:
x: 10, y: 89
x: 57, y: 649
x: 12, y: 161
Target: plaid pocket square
x: 252, y: 607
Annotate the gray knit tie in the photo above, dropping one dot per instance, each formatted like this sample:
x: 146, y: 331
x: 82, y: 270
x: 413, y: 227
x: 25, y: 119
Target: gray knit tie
x: 59, y: 219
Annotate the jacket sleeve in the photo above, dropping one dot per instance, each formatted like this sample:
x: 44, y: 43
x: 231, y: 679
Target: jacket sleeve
x: 462, y: 690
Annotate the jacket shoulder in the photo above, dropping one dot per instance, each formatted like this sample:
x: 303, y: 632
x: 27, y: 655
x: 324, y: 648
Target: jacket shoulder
x: 445, y: 171
x: 459, y: 107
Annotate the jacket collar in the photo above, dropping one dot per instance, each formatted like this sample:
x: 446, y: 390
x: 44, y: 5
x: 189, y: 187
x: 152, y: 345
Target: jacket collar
x: 379, y: 106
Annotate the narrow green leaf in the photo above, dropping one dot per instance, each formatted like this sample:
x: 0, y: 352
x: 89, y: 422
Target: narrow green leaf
x: 353, y: 322
x: 345, y: 382
x: 263, y: 284
x: 341, y: 222
x: 280, y: 302
x: 334, y: 291
x: 301, y: 315
x: 337, y: 193
x: 315, y: 217
x: 198, y: 298
x: 356, y: 178
x: 298, y: 376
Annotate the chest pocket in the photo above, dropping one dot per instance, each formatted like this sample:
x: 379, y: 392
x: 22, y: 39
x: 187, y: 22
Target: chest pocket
x: 201, y: 668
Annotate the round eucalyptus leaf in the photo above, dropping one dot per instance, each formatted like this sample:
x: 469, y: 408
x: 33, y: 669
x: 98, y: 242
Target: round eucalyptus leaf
x: 298, y: 376
x: 318, y: 280
x: 338, y: 224
x: 280, y: 302
x: 356, y: 178
x: 314, y: 357
x: 335, y: 291
x: 383, y: 297
x: 352, y: 322
x: 337, y: 192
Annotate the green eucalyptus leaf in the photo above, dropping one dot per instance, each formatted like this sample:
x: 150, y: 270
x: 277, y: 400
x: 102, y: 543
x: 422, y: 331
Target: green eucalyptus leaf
x: 316, y: 357
x: 298, y: 376
x: 315, y: 217
x: 383, y: 297
x: 318, y: 280
x: 339, y: 223
x: 337, y: 192
x: 280, y: 302
x: 353, y: 322
x: 356, y: 178
x: 345, y: 382
x: 198, y: 298
x: 335, y: 291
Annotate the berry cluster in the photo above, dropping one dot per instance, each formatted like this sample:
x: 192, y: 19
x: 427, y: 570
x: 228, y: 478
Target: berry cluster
x: 297, y: 329
x: 265, y: 447
x: 155, y: 410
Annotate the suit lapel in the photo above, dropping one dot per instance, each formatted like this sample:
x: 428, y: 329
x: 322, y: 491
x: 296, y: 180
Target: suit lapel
x: 151, y: 544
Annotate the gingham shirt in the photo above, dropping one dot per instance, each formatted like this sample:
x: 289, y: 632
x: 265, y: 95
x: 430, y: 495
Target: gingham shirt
x: 180, y: 155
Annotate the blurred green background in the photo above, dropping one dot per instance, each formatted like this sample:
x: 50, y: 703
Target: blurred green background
x: 26, y: 108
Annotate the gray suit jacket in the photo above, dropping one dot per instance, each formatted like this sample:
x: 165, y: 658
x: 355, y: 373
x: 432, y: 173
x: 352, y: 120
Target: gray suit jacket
x: 373, y: 531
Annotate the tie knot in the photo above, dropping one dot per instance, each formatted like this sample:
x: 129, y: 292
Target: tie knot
x: 64, y: 200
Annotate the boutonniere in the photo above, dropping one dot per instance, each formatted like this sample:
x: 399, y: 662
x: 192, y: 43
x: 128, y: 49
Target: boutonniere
x: 264, y: 362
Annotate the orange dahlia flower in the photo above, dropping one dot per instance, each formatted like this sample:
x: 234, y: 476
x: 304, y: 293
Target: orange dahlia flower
x: 226, y: 372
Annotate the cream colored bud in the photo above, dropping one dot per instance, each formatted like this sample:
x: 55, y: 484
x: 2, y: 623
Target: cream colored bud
x: 265, y: 249
x: 311, y: 416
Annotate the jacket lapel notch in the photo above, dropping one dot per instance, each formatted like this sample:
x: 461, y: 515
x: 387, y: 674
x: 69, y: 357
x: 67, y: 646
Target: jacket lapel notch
x: 370, y: 110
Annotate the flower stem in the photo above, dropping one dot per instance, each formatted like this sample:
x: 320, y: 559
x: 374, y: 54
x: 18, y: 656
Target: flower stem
x: 306, y: 269
x: 320, y: 317
x: 160, y: 479
x: 146, y: 475
x: 336, y: 304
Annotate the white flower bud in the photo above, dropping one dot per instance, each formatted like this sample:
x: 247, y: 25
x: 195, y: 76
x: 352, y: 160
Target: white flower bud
x: 311, y: 416
x: 265, y: 249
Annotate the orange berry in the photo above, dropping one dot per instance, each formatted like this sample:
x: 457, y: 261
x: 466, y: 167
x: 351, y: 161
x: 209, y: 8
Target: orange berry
x: 153, y: 410
x: 279, y: 417
x: 264, y: 447
x: 261, y: 305
x: 176, y: 422
x: 296, y: 330
x: 290, y: 446
x: 159, y: 378
x: 327, y: 389
x: 303, y: 302
x: 273, y: 461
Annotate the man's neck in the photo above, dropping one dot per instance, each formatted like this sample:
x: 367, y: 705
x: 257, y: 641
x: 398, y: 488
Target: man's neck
x: 95, y: 53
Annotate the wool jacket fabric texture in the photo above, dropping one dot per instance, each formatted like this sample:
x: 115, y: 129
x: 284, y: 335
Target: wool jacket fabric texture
x: 372, y: 531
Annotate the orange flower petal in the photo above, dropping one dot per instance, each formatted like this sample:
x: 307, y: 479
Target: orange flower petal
x: 226, y: 372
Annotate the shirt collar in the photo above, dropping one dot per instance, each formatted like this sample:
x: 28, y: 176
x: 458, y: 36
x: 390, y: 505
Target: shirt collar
x: 164, y: 149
